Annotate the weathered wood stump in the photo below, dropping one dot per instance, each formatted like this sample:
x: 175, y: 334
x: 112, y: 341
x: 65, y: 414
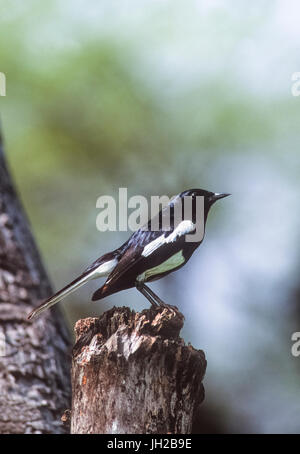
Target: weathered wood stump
x: 132, y: 373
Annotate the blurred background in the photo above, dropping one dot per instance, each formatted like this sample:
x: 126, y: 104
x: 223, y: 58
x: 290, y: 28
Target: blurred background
x: 161, y: 96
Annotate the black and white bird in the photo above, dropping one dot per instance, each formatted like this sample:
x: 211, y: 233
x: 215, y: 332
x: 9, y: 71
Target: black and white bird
x: 147, y: 255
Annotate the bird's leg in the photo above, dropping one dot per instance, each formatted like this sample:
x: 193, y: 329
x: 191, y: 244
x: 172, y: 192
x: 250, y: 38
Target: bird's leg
x: 140, y: 287
x: 154, y: 296
x: 158, y: 300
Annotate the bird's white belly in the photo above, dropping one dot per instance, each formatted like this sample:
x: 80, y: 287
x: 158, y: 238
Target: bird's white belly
x: 168, y: 265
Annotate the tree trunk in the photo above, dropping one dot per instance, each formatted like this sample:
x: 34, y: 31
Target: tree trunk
x: 132, y: 373
x: 34, y: 357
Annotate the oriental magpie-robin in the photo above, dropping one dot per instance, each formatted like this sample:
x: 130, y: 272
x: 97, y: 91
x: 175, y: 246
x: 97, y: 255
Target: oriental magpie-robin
x: 149, y: 254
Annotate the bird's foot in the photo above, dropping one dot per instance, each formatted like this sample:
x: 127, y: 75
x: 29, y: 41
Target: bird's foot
x: 173, y: 309
x: 159, y: 301
x: 155, y: 300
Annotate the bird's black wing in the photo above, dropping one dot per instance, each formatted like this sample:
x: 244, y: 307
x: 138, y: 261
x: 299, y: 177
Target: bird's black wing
x: 133, y: 252
x: 142, y: 248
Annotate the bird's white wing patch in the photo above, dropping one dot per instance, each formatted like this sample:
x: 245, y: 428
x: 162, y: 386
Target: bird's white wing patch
x: 182, y: 229
x: 171, y: 263
x: 151, y: 247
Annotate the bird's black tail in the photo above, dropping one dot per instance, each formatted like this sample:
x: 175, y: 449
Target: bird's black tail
x: 70, y: 288
x: 101, y: 267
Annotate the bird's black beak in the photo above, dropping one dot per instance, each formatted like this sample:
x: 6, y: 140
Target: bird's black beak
x: 217, y: 196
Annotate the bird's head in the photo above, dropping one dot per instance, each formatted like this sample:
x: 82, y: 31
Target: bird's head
x: 209, y: 198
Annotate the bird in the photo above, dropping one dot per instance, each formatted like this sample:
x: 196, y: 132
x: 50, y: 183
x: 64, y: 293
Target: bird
x: 149, y: 253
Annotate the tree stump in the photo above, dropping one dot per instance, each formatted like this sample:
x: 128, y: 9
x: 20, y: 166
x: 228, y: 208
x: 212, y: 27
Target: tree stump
x: 132, y: 373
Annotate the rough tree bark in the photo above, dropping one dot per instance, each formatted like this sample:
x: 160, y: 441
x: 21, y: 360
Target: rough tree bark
x: 34, y: 357
x: 132, y: 373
